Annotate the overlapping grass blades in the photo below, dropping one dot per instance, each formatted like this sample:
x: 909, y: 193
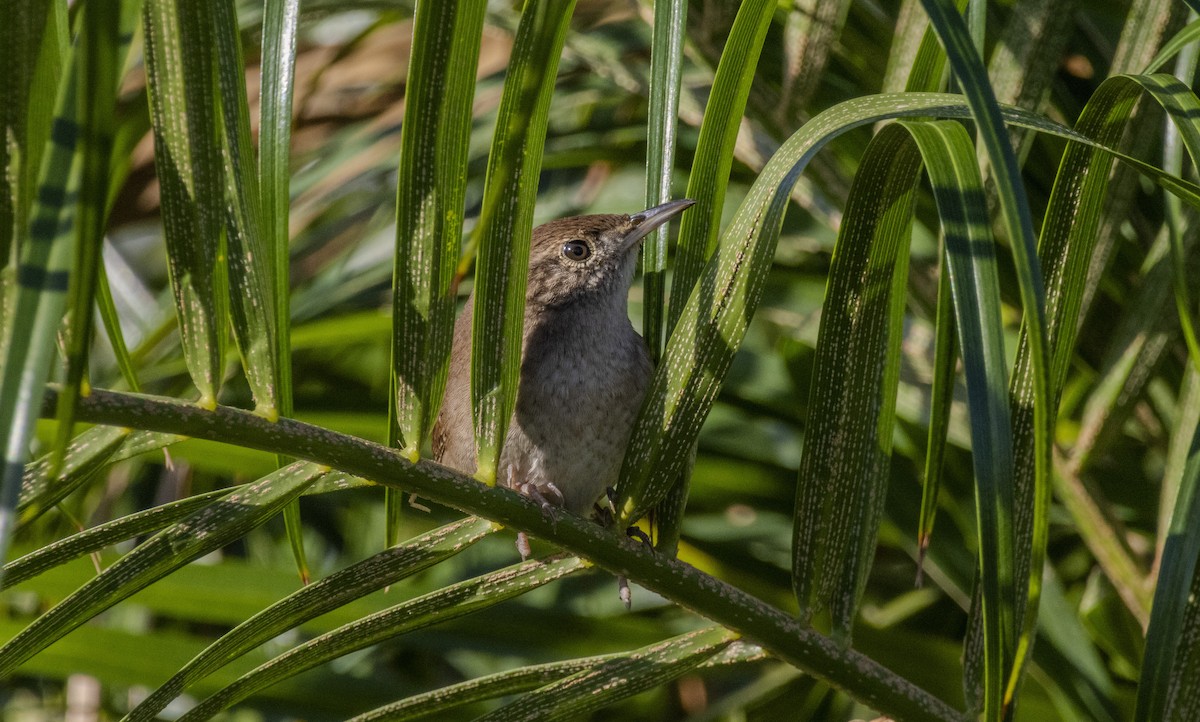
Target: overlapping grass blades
x: 615, y: 679
x: 210, y: 528
x: 843, y: 473
x: 702, y: 345
x: 1024, y: 542
x: 335, y: 590
x: 453, y: 601
x: 700, y: 226
x: 844, y: 470
x: 41, y: 278
x: 253, y: 309
x: 104, y: 535
x: 666, y: 68
x: 47, y: 482
x: 103, y: 44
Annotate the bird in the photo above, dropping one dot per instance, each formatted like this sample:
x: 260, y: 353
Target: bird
x: 584, y: 369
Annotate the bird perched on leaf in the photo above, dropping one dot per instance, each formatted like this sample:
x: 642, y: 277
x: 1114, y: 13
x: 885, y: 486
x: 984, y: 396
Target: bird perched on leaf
x: 584, y: 369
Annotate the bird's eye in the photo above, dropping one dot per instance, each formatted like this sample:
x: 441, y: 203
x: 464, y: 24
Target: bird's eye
x: 576, y: 250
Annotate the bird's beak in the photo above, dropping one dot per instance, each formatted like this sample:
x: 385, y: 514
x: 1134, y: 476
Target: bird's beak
x: 651, y: 218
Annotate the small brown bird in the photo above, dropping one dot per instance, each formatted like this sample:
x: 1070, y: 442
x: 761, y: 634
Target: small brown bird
x: 584, y: 370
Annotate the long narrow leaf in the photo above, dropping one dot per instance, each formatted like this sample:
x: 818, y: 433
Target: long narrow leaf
x: 449, y: 603
x: 506, y: 223
x: 958, y: 188
x: 616, y: 679
x: 1027, y: 537
x: 844, y: 470
x: 252, y: 305
x: 211, y: 528
x: 42, y: 279
x: 354, y: 582
x: 188, y: 161
x: 98, y: 537
x: 666, y: 69
x: 699, y: 228
x: 280, y: 21
x: 1172, y: 596
x: 430, y: 191
x: 100, y: 57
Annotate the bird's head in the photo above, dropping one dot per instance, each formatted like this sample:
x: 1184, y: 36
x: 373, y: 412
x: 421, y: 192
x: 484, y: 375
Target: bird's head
x: 572, y: 259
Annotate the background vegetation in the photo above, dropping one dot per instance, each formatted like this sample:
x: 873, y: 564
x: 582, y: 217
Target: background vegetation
x: 229, y: 206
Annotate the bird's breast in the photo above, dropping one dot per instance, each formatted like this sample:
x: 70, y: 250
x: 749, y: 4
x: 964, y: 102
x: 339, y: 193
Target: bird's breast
x: 581, y: 387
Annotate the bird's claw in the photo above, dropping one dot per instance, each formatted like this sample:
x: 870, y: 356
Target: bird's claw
x: 545, y: 493
x: 634, y: 532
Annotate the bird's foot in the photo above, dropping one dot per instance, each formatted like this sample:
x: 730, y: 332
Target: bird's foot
x: 543, y: 492
x: 606, y: 513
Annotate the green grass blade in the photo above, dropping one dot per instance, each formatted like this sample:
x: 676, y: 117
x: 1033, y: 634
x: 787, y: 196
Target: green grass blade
x: 211, y: 528
x: 187, y: 158
x: 48, y: 480
x: 958, y: 188
x: 700, y: 226
x: 914, y: 47
x: 252, y: 303
x: 280, y: 21
x: 429, y: 208
x: 1161, y: 681
x: 492, y: 686
x: 448, y: 603
x: 112, y: 328
x: 100, y: 56
x: 103, y: 535
x: 666, y: 70
x: 616, y: 679
x: 843, y: 474
x: 506, y: 222
x: 515, y: 681
x: 88, y: 453
x: 33, y: 40
x: 128, y: 132
x: 1182, y: 107
x: 354, y: 582
x: 42, y: 277
x: 253, y: 263
x: 430, y: 197
x: 945, y: 360
x: 1030, y: 536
